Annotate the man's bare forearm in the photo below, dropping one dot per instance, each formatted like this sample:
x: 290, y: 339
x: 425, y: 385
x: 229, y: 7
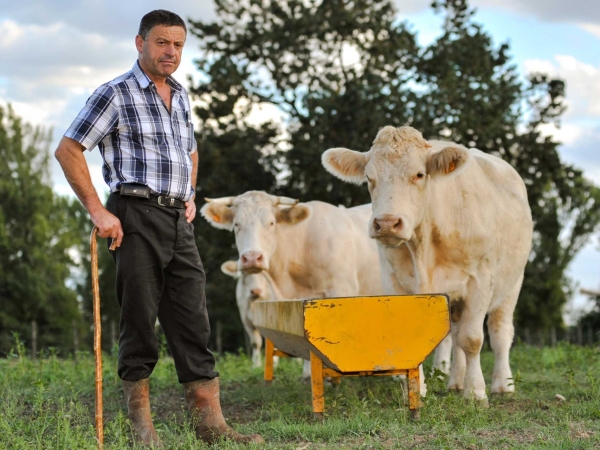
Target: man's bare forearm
x: 70, y: 156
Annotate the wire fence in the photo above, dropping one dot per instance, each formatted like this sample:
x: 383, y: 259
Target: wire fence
x: 576, y: 335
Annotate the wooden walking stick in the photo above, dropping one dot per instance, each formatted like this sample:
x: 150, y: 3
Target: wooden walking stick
x: 97, y: 338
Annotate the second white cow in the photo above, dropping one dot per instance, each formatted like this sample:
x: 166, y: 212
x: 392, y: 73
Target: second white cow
x: 310, y: 250
x: 449, y: 219
x: 251, y: 287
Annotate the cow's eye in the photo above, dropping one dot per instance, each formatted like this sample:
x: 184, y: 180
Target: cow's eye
x: 421, y: 175
x: 272, y: 223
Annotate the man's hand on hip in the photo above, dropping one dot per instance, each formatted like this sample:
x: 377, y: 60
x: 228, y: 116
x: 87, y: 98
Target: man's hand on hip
x: 190, y: 209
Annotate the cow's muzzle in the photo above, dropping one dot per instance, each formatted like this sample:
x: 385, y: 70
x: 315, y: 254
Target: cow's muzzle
x: 388, y: 229
x: 253, y: 262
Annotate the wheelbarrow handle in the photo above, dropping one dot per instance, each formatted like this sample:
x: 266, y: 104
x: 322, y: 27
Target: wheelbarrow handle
x: 97, y: 337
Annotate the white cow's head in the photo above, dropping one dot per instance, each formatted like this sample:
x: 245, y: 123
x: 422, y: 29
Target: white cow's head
x: 254, y: 217
x: 250, y: 287
x: 398, y: 169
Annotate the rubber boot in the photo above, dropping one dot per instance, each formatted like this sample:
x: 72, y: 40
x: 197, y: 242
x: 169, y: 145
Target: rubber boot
x: 204, y: 405
x: 137, y: 397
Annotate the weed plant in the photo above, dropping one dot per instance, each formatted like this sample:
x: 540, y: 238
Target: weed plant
x: 48, y: 403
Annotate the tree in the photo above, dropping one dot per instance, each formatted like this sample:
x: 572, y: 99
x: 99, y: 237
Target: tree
x: 591, y: 320
x: 469, y: 93
x: 36, y: 237
x: 231, y: 158
x: 339, y: 70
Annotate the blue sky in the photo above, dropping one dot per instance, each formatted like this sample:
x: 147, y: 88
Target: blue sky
x: 54, y: 53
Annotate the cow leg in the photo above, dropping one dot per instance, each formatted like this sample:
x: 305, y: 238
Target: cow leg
x: 441, y: 359
x: 501, y: 329
x: 306, y: 370
x: 256, y: 348
x: 470, y: 340
x: 422, y: 385
x: 458, y: 366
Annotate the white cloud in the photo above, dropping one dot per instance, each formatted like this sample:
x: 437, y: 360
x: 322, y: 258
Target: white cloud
x: 582, y: 84
x: 566, y: 134
x: 587, y: 11
x: 573, y: 11
x: 107, y: 17
x: 591, y: 28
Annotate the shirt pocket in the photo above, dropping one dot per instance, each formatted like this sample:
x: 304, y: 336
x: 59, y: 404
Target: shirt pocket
x: 186, y: 129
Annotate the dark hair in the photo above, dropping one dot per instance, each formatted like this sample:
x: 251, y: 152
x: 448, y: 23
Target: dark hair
x: 159, y: 17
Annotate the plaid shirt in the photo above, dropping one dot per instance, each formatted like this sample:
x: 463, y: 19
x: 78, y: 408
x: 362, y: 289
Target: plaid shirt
x: 139, y: 140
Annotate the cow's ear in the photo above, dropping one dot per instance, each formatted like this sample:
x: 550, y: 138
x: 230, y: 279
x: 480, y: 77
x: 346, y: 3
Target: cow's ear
x: 347, y: 165
x: 218, y: 215
x: 230, y: 268
x: 293, y: 214
x: 447, y: 160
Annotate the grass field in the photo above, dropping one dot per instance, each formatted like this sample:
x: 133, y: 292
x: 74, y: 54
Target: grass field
x: 49, y: 404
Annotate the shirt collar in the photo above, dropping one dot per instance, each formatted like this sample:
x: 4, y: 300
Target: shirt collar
x: 145, y: 81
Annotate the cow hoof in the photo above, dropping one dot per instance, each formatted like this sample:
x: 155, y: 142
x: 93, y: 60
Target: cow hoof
x: 482, y: 403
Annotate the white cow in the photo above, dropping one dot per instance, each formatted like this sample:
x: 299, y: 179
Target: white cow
x: 448, y: 219
x: 251, y: 287
x: 310, y: 250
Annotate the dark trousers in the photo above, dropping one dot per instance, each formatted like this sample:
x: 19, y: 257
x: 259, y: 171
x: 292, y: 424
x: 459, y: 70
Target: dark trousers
x: 160, y: 274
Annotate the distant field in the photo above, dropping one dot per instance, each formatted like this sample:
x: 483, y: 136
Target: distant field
x: 49, y: 404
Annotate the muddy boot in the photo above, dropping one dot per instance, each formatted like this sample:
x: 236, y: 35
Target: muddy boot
x: 137, y: 397
x: 202, y: 398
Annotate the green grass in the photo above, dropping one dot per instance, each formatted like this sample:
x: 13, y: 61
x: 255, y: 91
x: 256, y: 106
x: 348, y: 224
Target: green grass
x: 49, y: 404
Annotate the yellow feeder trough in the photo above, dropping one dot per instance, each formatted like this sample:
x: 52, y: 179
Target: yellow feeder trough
x: 355, y: 336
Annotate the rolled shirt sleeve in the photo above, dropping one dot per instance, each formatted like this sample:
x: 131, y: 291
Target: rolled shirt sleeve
x: 97, y: 118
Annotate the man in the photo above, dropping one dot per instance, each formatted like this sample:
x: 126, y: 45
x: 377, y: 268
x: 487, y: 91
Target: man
x: 141, y: 122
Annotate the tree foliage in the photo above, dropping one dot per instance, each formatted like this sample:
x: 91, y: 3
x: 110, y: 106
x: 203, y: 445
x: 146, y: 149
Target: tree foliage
x: 37, y: 234
x: 337, y: 71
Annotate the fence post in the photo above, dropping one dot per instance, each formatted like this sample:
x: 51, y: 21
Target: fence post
x: 75, y: 339
x: 34, y: 335
x: 553, y: 336
x: 113, y: 334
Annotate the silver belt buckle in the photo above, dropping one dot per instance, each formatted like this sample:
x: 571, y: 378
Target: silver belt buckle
x: 170, y: 201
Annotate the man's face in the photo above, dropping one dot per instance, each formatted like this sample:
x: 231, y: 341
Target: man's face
x: 160, y: 52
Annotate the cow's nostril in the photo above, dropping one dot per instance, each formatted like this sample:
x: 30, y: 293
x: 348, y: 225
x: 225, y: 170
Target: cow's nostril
x: 377, y: 226
x: 259, y: 258
x: 244, y: 259
x: 398, y: 225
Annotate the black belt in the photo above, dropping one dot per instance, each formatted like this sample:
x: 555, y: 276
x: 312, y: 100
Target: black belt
x: 141, y: 191
x: 169, y: 202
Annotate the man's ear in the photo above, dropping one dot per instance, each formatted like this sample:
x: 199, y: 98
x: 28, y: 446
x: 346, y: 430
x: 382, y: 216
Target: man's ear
x: 139, y: 43
x: 447, y: 160
x: 292, y: 215
x: 347, y: 165
x: 218, y: 215
x: 230, y: 268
